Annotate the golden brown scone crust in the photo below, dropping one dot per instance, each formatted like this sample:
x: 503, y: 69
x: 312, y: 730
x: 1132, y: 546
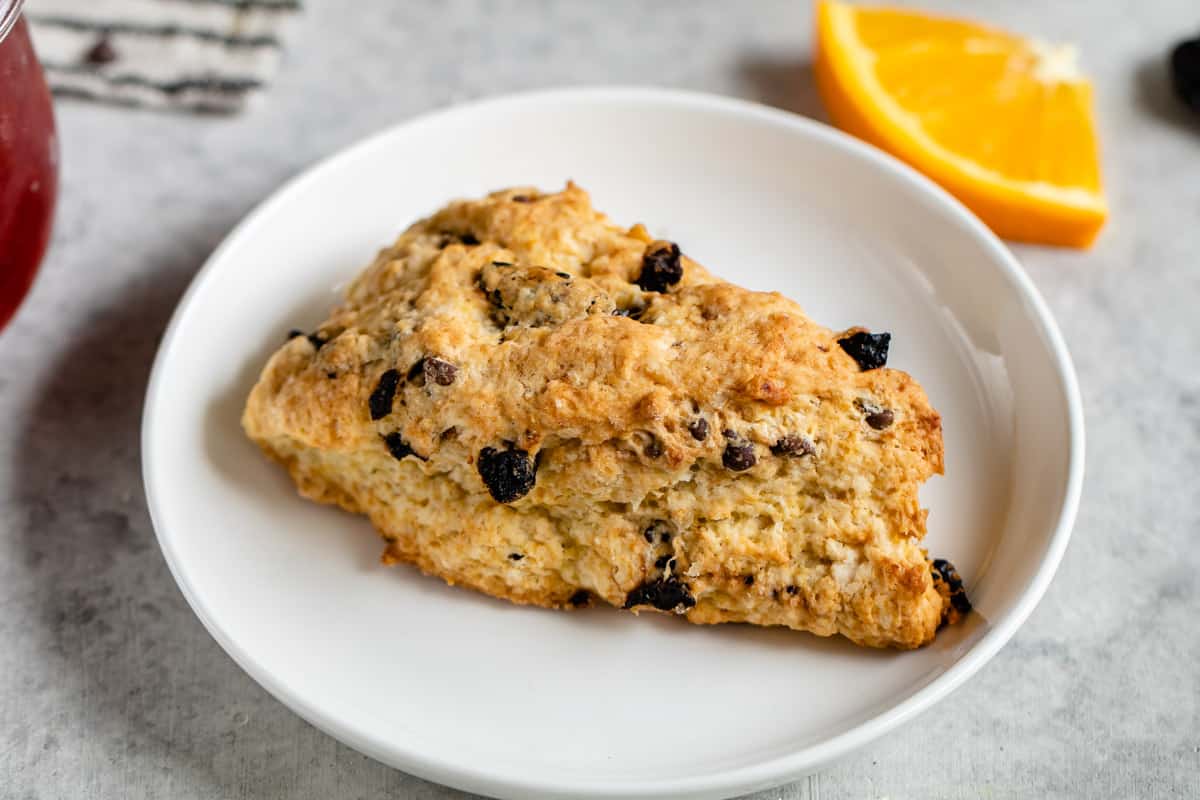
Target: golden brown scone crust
x: 516, y: 323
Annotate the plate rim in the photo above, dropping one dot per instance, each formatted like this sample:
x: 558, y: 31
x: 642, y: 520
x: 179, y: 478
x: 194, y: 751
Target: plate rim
x: 760, y: 774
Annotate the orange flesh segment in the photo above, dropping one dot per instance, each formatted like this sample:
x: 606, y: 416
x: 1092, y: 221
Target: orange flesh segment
x: 1003, y: 123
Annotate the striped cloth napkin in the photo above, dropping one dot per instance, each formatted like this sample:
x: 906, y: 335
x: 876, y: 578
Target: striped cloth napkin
x: 200, y: 55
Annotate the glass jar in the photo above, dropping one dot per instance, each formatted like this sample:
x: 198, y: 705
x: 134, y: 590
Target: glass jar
x: 28, y: 160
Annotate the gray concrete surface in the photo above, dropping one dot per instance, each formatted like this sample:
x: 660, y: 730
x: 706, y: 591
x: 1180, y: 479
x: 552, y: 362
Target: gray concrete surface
x: 110, y: 688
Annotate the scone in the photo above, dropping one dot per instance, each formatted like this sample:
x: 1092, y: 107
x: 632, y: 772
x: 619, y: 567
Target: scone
x: 531, y: 401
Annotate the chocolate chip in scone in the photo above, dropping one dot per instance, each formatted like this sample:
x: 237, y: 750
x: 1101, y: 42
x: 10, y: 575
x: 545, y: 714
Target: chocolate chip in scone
x: 515, y: 556
x: 317, y: 340
x: 792, y: 590
x: 566, y: 276
x: 398, y: 447
x: 739, y: 454
x: 661, y: 268
x: 468, y: 239
x: 698, y: 428
x: 665, y: 594
x: 580, y: 598
x: 438, y: 371
x: 507, y: 474
x: 521, y: 198
x: 293, y: 333
x: 870, y: 350
x: 380, y: 402
x: 331, y: 375
x: 793, y: 445
x: 881, y: 419
x: 748, y: 580
x: 661, y: 561
x: 502, y: 263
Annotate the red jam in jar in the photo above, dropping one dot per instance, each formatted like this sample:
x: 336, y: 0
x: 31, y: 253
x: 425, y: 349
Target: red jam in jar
x: 28, y: 160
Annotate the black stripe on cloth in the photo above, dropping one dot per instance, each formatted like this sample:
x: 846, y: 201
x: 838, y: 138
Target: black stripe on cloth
x: 208, y: 83
x: 202, y: 106
x: 249, y: 5
x: 160, y: 31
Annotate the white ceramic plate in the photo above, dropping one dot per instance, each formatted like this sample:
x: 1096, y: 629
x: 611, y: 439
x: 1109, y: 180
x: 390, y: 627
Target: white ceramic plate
x: 521, y: 702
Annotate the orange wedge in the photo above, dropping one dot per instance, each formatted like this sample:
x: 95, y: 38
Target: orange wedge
x: 1003, y: 123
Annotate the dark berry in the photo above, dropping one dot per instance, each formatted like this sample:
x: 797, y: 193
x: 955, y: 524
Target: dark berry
x: 398, y: 447
x: 437, y: 371
x: 468, y: 239
x: 739, y: 454
x: 660, y: 528
x: 515, y: 556
x: 661, y: 561
x: 944, y: 570
x: 508, y: 474
x: 380, y: 402
x: 870, y: 350
x: 793, y: 445
x: 293, y: 333
x: 792, y: 590
x: 665, y: 594
x: 881, y: 419
x: 331, y: 375
x: 748, y: 580
x: 661, y: 268
x: 698, y: 428
x: 102, y: 52
x: 653, y: 448
x: 1185, y: 72
x: 580, y: 598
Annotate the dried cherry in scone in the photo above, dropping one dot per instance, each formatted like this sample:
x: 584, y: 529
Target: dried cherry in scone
x: 879, y: 420
x: 793, y: 445
x: 508, y: 474
x: 661, y: 267
x: 380, y: 402
x: 944, y: 570
x: 398, y: 447
x: 870, y: 350
x: 666, y: 594
x: 438, y: 371
x: 738, y: 454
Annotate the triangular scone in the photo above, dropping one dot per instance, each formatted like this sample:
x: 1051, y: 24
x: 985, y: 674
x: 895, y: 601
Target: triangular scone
x: 530, y: 401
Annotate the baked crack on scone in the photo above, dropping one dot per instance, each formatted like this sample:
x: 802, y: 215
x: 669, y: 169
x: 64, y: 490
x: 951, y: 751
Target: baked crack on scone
x: 526, y: 399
